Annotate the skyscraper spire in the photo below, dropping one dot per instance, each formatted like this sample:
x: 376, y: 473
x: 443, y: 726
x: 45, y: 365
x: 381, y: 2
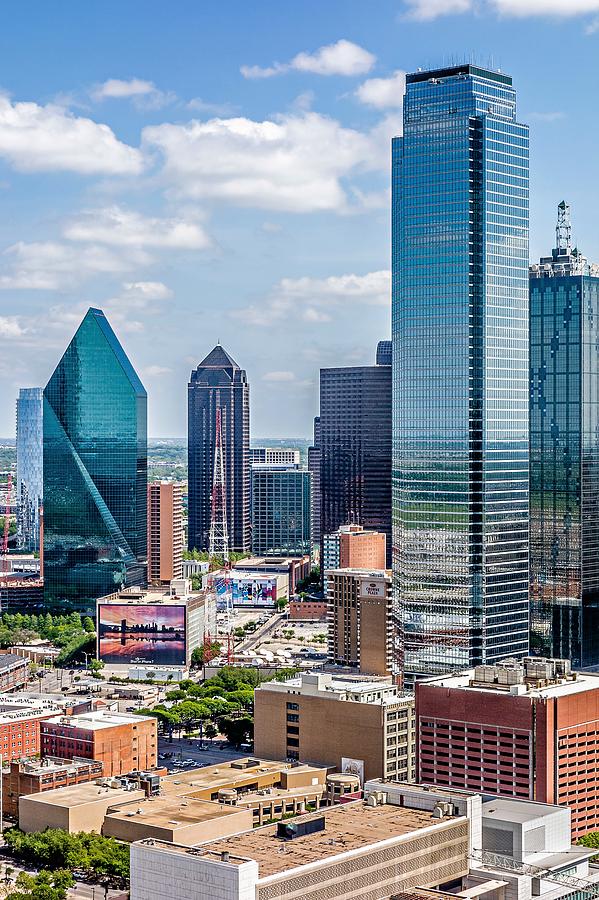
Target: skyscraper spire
x: 563, y: 231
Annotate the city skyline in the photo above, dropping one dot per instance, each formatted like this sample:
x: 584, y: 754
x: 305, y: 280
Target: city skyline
x: 157, y: 230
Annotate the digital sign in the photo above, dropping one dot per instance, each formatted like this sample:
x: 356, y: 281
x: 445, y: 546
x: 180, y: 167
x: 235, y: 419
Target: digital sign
x: 141, y: 634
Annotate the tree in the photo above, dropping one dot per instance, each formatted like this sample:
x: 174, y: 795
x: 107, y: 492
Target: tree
x: 43, y: 886
x: 281, y: 603
x: 88, y: 625
x: 96, y: 666
x: 237, y: 730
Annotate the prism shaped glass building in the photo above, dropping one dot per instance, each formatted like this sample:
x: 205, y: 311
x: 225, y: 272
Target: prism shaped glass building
x: 460, y: 359
x: 95, y: 470
x: 564, y: 452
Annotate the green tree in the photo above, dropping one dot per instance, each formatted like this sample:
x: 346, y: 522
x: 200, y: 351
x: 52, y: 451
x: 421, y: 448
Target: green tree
x: 238, y: 730
x: 43, y: 886
x: 88, y: 625
x: 96, y: 666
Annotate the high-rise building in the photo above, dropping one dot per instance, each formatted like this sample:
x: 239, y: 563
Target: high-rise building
x: 355, y: 442
x: 219, y: 383
x: 519, y: 728
x: 95, y: 470
x: 281, y: 499
x: 360, y: 620
x: 314, y: 468
x: 564, y: 452
x: 351, y: 547
x: 165, y: 531
x: 30, y: 458
x: 460, y: 359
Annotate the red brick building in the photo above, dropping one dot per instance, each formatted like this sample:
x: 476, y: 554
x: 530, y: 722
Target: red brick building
x: 522, y: 728
x: 25, y: 777
x: 20, y: 726
x: 122, y: 743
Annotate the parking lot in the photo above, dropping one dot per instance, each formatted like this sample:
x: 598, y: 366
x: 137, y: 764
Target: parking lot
x: 186, y: 753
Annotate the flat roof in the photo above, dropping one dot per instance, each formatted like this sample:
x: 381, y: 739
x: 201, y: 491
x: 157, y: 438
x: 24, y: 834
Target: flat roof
x: 80, y: 794
x: 506, y: 809
x: 584, y: 681
x: 98, y: 719
x: 223, y: 774
x: 349, y: 826
x: 150, y: 597
x: 451, y: 71
x: 172, y: 812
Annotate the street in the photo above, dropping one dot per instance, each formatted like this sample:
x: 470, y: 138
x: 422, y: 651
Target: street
x: 182, y: 749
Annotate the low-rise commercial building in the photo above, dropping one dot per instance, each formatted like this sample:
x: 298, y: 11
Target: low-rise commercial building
x: 146, y: 627
x: 20, y: 719
x: 80, y: 807
x: 14, y: 671
x: 121, y: 742
x: 183, y: 820
x: 295, y: 567
x: 360, y: 617
x: 34, y: 776
x: 522, y: 728
x: 347, y: 722
x: 308, y: 610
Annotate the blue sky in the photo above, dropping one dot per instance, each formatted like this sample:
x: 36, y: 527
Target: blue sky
x: 207, y: 171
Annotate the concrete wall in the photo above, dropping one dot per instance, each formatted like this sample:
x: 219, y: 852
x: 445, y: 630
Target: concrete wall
x: 157, y: 873
x: 36, y: 813
x: 189, y: 834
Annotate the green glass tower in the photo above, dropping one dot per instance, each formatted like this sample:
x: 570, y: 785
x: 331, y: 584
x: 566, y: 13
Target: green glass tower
x: 95, y: 470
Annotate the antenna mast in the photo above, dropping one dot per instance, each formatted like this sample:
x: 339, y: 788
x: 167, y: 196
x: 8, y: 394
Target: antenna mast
x: 218, y: 543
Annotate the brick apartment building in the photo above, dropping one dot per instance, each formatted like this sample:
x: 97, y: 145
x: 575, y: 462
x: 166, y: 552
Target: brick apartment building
x: 165, y: 531
x: 26, y: 777
x: 121, y: 742
x: 360, y: 620
x: 522, y: 728
x: 14, y: 671
x: 353, y: 723
x: 20, y: 726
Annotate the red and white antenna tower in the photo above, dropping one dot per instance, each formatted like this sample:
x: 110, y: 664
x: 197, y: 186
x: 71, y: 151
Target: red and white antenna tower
x: 4, y: 544
x: 218, y: 541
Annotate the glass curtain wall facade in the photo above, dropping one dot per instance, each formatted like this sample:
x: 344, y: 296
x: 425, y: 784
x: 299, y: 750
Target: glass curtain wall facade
x: 218, y: 382
x: 95, y: 471
x: 281, y: 500
x: 460, y: 357
x: 355, y: 449
x: 30, y: 453
x: 564, y: 457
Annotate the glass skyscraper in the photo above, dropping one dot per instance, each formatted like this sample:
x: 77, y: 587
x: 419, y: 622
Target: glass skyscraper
x: 564, y: 452
x: 95, y: 470
x: 219, y: 383
x: 355, y: 448
x: 281, y: 501
x: 460, y: 358
x: 30, y: 453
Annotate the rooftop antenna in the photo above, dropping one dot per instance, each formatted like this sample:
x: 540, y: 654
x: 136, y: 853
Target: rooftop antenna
x: 563, y: 231
x: 218, y: 541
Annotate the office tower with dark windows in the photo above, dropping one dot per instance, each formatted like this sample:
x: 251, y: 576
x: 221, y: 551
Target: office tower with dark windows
x: 281, y: 500
x: 30, y: 454
x: 314, y: 468
x: 564, y: 452
x: 460, y: 358
x: 219, y: 383
x: 355, y: 448
x: 95, y: 470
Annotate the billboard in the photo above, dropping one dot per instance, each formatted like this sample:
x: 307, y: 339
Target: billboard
x: 141, y: 634
x: 254, y: 590
x: 353, y: 767
x: 373, y: 588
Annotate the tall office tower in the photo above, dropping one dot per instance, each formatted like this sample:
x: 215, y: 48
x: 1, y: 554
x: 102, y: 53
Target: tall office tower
x: 314, y: 468
x: 384, y: 353
x: 275, y: 456
x: 95, y: 470
x: 355, y: 441
x: 30, y: 456
x: 219, y: 383
x: 564, y: 452
x: 281, y: 499
x: 165, y: 531
x: 460, y: 358
x: 360, y: 620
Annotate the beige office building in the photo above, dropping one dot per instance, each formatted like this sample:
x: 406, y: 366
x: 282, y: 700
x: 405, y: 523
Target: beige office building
x: 165, y: 532
x: 360, y: 620
x: 354, y: 723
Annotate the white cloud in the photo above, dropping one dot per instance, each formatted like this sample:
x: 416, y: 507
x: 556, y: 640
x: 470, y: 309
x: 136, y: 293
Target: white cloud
x: 117, y: 89
x: 126, y: 228
x: 156, y: 371
x: 295, y: 163
x: 281, y: 376
x: 383, y: 93
x: 147, y: 290
x: 315, y: 300
x: 10, y: 327
x: 49, y: 138
x: 342, y: 58
x: 566, y: 8
x: 425, y: 10
x: 51, y: 265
